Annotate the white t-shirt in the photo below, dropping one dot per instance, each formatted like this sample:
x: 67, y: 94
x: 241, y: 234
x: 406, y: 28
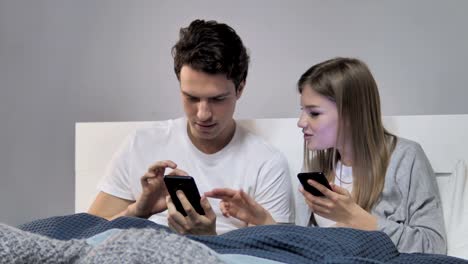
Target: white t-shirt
x: 346, y: 176
x: 246, y: 163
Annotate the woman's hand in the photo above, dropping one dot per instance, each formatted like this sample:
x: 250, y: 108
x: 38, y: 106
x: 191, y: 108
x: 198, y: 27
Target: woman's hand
x: 339, y: 206
x: 240, y: 205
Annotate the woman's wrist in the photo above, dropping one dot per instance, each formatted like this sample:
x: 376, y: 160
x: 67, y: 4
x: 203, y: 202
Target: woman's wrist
x: 263, y: 218
x: 268, y: 219
x: 363, y: 220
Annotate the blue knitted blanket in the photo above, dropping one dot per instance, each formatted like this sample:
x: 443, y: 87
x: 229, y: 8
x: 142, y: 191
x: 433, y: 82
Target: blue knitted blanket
x: 284, y: 243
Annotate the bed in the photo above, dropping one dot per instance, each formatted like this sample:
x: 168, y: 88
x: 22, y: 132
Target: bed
x: 443, y: 138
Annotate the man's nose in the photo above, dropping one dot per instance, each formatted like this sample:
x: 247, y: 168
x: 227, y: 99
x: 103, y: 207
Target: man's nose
x: 204, y: 111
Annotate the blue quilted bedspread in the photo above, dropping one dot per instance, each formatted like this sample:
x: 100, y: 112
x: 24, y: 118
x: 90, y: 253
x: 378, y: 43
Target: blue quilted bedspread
x: 284, y: 243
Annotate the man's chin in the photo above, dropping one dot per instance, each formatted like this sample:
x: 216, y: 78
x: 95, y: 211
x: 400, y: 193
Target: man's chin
x: 205, y: 136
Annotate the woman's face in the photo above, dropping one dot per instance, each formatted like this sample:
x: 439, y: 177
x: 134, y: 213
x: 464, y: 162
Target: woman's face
x: 318, y: 120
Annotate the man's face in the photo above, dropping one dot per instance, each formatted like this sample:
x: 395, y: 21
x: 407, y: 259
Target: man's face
x: 209, y: 102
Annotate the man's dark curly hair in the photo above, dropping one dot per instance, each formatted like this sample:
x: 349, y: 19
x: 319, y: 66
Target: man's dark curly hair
x: 213, y: 48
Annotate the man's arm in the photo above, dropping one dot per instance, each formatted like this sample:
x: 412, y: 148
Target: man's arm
x: 109, y: 206
x: 151, y: 201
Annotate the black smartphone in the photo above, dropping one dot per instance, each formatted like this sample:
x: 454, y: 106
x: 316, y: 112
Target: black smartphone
x: 316, y: 176
x: 188, y: 186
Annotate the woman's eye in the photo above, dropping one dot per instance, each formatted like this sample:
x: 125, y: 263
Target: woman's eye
x: 314, y: 114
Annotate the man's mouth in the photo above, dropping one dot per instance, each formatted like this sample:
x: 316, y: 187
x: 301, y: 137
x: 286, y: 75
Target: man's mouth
x: 206, y: 125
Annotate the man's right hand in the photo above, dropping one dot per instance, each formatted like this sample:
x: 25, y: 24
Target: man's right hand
x: 153, y: 197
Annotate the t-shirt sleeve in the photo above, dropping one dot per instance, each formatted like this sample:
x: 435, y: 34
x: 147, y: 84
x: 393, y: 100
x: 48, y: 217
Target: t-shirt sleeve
x: 116, y: 177
x: 274, y: 191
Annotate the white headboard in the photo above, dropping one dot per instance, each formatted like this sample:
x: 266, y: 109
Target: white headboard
x: 444, y: 138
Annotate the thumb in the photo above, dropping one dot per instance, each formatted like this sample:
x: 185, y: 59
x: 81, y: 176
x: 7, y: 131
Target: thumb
x: 339, y: 189
x: 209, y: 213
x: 247, y: 199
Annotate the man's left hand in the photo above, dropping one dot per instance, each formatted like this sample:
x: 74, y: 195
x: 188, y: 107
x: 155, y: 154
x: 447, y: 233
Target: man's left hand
x: 193, y: 223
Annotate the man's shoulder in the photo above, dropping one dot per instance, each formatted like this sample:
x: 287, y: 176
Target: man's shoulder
x: 160, y: 128
x: 157, y: 133
x: 257, y: 145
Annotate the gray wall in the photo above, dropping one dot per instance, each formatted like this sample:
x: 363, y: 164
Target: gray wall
x: 63, y: 62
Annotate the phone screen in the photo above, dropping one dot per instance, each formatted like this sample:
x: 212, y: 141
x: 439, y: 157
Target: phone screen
x: 188, y: 186
x: 316, y: 176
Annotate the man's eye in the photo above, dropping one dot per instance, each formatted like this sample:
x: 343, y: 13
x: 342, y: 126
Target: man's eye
x: 219, y: 99
x: 192, y: 99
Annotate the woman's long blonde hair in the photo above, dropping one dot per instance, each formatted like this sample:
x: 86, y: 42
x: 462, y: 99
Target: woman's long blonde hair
x: 349, y: 83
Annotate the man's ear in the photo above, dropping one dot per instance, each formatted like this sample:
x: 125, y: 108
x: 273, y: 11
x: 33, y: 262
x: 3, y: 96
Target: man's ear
x: 240, y: 89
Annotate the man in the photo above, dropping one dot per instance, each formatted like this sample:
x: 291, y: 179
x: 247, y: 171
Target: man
x: 211, y: 64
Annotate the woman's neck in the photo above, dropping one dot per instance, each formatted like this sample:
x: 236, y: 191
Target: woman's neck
x: 346, y: 156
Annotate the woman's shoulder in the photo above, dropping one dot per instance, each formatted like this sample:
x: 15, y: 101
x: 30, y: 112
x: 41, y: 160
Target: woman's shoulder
x: 407, y: 160
x: 407, y: 156
x: 406, y: 146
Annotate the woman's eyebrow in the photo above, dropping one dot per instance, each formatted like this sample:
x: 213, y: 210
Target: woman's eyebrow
x: 310, y: 106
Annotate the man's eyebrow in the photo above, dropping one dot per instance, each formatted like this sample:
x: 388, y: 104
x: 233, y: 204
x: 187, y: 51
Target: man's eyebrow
x: 221, y: 95
x: 187, y: 94
x: 216, y: 96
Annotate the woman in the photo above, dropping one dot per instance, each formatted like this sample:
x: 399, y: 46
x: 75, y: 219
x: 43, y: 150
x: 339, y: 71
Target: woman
x: 379, y: 181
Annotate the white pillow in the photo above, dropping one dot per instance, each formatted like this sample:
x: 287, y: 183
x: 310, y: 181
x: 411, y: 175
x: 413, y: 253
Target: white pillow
x: 454, y: 196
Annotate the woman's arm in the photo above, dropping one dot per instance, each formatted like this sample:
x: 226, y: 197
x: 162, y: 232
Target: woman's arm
x: 413, y: 218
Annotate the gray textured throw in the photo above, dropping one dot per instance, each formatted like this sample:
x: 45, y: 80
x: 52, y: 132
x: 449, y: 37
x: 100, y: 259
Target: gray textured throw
x: 126, y: 246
